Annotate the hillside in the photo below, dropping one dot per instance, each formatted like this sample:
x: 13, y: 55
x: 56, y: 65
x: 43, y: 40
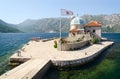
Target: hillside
x: 6, y: 28
x: 44, y: 25
x: 110, y: 23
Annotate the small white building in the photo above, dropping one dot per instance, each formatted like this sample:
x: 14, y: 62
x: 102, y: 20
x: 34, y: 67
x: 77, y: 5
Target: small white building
x: 78, y: 27
x: 93, y: 27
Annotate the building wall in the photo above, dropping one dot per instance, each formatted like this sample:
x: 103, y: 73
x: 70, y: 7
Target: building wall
x: 97, y: 30
x: 76, y: 26
x: 73, y: 27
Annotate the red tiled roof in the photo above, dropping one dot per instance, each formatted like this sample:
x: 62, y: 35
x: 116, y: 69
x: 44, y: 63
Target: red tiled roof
x: 93, y: 24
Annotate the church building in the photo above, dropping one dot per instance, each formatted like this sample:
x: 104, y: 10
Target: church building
x: 77, y: 26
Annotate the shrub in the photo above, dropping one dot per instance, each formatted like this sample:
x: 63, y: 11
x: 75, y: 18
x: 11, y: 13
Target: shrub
x: 55, y: 44
x: 94, y: 40
x: 78, y: 40
x: 64, y: 41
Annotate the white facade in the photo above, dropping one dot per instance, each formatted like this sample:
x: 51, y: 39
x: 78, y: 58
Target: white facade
x: 76, y: 26
x: 94, y: 29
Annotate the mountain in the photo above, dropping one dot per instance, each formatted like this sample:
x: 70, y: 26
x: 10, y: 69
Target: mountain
x: 110, y: 23
x: 44, y: 25
x: 7, y: 28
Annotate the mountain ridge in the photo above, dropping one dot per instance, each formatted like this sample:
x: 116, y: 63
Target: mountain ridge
x: 7, y: 28
x: 110, y: 23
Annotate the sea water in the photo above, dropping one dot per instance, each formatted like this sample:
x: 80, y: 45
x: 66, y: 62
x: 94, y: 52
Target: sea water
x: 106, y: 66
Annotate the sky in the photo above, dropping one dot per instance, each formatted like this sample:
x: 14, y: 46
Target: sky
x: 16, y: 11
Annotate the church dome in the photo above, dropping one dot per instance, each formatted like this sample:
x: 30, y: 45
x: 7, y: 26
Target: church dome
x: 76, y: 20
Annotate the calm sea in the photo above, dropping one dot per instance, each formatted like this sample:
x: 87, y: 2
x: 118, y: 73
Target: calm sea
x: 107, y: 66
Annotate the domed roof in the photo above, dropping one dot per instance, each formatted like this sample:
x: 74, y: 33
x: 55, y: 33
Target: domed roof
x: 76, y: 20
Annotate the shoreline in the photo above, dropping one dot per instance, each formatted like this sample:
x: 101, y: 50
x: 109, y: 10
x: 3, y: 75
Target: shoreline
x: 110, y: 32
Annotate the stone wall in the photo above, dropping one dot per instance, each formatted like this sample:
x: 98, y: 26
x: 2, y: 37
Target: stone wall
x: 72, y: 46
x: 42, y: 72
x: 19, y: 60
x: 77, y: 62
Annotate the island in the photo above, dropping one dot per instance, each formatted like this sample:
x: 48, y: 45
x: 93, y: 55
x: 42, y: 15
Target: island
x: 83, y: 45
